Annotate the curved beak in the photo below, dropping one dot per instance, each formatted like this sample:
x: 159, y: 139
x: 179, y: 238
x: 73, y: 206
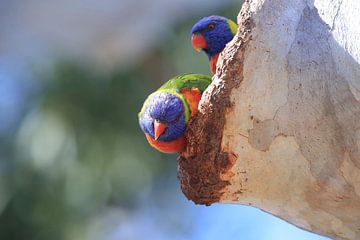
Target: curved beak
x: 198, y: 41
x: 159, y: 128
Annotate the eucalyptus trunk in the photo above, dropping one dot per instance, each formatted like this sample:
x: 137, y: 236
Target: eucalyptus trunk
x: 279, y: 127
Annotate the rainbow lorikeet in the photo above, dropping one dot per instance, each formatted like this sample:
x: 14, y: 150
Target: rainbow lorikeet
x: 211, y: 34
x: 166, y: 112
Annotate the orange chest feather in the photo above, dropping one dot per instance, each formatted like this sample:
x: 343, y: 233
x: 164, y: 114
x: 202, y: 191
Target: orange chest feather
x: 167, y: 147
x: 192, y: 96
x: 213, y: 61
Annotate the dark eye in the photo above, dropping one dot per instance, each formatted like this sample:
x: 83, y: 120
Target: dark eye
x: 210, y: 27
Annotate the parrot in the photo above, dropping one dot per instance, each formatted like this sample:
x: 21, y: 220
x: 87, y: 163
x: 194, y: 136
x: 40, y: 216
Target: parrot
x: 166, y: 112
x: 211, y: 34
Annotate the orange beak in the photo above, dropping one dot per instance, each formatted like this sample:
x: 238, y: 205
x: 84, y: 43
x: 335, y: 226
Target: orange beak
x: 198, y: 41
x: 159, y: 129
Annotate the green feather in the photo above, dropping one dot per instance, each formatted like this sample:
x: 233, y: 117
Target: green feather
x: 233, y: 26
x: 180, y: 82
x: 189, y: 80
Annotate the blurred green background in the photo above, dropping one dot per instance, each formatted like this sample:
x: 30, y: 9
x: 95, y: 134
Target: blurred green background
x: 73, y: 162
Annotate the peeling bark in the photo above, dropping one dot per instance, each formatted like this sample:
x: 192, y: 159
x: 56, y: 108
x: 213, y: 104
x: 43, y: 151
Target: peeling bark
x: 279, y: 127
x: 203, y: 162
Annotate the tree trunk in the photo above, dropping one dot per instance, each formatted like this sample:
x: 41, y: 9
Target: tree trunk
x: 279, y: 128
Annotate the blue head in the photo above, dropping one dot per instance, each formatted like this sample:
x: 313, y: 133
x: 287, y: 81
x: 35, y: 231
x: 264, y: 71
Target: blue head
x: 211, y: 34
x: 163, y: 116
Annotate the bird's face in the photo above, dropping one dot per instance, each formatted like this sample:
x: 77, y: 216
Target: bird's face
x: 163, y: 117
x: 211, y: 34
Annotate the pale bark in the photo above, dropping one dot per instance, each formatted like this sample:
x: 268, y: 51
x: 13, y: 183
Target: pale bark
x: 279, y: 128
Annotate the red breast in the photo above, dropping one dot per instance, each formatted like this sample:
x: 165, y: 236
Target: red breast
x: 213, y: 61
x: 168, y: 147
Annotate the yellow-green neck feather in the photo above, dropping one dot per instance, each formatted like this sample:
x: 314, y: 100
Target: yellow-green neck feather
x: 233, y: 26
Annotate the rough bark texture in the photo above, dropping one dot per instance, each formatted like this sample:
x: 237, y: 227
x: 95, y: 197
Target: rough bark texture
x: 279, y: 128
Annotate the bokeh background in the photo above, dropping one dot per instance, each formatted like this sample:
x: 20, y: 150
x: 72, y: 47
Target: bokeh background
x: 73, y: 162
